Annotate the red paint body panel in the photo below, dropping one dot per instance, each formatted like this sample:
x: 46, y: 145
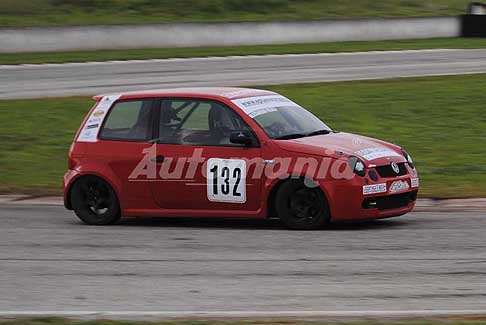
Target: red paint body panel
x: 114, y: 160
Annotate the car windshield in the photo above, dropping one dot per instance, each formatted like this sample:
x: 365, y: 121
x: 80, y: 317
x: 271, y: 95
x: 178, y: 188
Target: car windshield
x: 290, y: 122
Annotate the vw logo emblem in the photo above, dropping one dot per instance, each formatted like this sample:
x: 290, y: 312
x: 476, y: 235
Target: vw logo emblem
x: 395, y: 168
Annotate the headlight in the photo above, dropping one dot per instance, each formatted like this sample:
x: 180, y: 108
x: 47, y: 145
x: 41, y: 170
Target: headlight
x: 357, y: 165
x: 409, y: 159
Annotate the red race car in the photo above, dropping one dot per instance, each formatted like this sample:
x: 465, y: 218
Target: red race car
x: 229, y: 152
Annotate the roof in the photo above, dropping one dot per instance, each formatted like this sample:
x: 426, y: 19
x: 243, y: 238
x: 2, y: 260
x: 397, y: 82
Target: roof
x: 203, y: 92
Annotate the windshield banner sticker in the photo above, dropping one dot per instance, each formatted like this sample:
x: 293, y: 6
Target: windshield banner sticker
x: 93, y: 124
x: 261, y: 112
x: 254, y: 106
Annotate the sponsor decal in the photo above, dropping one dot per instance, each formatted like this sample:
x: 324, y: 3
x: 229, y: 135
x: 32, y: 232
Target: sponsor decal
x: 98, y: 113
x: 377, y: 152
x: 90, y: 131
x: 415, y: 182
x: 399, y: 186
x: 374, y: 189
x: 254, y: 106
x: 94, y: 120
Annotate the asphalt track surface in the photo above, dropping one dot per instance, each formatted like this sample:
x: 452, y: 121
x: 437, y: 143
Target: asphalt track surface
x: 421, y: 261
x: 54, y: 80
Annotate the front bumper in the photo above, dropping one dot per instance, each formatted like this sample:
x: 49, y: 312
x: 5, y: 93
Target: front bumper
x: 349, y: 201
x: 390, y: 202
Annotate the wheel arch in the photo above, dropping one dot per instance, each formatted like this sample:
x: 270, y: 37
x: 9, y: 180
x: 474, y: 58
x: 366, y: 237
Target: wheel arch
x: 68, y: 201
x: 271, y: 209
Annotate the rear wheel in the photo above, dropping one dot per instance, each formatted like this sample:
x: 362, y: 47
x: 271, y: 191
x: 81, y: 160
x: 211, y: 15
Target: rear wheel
x: 94, y: 201
x: 301, y: 207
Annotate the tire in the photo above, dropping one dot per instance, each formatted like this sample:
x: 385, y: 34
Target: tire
x: 301, y: 207
x: 95, y: 202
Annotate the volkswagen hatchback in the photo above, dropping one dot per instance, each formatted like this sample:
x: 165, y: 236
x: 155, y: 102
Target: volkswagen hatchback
x: 229, y: 152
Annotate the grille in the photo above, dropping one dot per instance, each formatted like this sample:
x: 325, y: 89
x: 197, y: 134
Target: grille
x: 390, y: 201
x: 387, y: 170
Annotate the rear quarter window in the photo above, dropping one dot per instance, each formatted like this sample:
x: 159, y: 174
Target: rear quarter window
x: 129, y: 121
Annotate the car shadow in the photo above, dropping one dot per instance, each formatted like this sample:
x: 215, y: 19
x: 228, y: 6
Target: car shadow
x: 240, y: 223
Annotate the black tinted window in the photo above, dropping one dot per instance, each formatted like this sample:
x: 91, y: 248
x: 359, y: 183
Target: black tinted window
x: 130, y: 121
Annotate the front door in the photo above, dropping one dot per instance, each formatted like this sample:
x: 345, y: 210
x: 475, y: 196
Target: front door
x: 199, y: 168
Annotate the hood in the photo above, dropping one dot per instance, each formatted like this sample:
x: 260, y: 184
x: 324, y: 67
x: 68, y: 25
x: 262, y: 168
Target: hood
x: 344, y: 145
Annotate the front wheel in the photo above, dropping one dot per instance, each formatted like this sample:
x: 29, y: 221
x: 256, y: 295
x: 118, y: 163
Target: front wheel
x: 94, y: 201
x: 301, y: 207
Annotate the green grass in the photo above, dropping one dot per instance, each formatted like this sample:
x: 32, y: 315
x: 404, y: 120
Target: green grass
x: 164, y: 53
x: 82, y: 12
x: 35, y: 136
x: 61, y: 321
x: 439, y: 120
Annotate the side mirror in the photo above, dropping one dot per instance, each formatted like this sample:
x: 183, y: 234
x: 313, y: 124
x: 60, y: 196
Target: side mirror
x: 241, y: 137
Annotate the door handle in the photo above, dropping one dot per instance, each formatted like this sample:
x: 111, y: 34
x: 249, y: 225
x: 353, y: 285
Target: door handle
x: 158, y: 159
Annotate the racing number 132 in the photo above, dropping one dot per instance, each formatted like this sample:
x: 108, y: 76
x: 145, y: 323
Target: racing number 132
x: 225, y: 174
x: 226, y: 180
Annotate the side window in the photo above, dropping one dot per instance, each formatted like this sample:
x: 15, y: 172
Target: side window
x: 130, y: 121
x: 198, y: 122
x: 194, y: 113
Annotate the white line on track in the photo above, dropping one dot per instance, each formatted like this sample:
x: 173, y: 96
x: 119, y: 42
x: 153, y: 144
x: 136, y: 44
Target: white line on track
x: 245, y: 314
x: 215, y: 58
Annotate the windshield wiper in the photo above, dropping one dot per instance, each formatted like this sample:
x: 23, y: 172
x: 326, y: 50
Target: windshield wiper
x: 291, y: 136
x: 318, y: 132
x: 303, y: 135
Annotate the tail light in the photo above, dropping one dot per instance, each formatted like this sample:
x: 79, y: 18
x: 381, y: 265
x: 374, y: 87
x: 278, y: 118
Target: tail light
x: 71, y: 161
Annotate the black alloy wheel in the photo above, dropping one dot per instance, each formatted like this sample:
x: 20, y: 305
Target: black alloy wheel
x: 94, y: 201
x: 301, y: 207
